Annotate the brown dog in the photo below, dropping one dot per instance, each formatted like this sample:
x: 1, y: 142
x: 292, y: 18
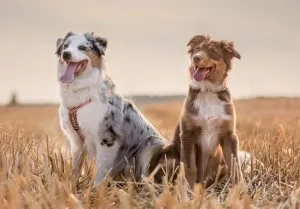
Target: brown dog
x: 205, y: 134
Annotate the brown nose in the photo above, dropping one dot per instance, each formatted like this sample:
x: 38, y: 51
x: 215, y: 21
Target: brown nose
x: 66, y: 55
x: 197, y: 59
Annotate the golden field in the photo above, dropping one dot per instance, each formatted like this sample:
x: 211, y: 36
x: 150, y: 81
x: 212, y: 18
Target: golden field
x: 35, y: 164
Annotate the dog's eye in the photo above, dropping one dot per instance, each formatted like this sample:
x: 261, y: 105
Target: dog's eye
x: 82, y: 47
x: 66, y: 46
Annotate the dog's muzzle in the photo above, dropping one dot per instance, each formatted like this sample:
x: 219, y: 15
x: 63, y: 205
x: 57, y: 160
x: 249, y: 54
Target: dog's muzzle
x: 66, y: 55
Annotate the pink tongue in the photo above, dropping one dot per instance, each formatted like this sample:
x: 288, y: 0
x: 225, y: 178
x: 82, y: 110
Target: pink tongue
x: 68, y: 75
x: 199, y: 74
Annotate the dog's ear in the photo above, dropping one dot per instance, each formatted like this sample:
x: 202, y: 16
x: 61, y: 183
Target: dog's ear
x: 196, y: 40
x: 60, y: 41
x: 228, y: 49
x: 99, y: 44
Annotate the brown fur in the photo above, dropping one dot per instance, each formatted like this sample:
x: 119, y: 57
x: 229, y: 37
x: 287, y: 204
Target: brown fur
x: 217, y: 54
x: 217, y: 50
x: 168, y: 159
x: 96, y: 61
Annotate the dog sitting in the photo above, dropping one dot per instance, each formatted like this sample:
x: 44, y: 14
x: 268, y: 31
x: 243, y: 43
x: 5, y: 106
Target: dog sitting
x: 205, y: 134
x: 96, y: 119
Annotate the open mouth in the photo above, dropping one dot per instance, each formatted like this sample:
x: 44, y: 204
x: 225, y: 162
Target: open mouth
x: 201, y: 73
x: 72, y: 69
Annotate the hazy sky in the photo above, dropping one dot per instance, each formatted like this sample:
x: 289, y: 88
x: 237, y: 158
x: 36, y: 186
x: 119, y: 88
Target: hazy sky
x: 147, y: 43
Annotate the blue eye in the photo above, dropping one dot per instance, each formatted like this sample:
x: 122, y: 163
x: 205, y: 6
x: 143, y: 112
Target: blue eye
x: 82, y: 47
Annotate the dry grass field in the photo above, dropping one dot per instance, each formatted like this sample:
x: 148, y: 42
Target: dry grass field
x: 35, y: 164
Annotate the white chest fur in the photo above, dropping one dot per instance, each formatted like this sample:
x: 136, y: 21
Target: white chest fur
x: 89, y: 118
x: 210, y: 108
x: 211, y: 115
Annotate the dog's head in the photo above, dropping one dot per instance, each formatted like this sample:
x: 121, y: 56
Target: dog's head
x: 210, y: 60
x: 79, y: 55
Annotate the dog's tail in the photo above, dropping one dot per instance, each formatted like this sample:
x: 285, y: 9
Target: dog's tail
x: 145, y: 157
x: 165, y: 162
x: 136, y: 155
x: 124, y: 158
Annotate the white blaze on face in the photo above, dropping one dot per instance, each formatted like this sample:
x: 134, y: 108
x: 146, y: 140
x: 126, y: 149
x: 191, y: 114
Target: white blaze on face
x: 67, y: 73
x: 73, y: 43
x: 198, y: 72
x: 199, y: 54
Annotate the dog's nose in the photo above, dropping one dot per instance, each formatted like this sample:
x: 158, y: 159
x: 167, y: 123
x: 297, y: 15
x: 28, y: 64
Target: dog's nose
x: 66, y: 55
x: 197, y: 59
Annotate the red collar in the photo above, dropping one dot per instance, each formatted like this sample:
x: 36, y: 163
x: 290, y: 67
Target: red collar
x: 73, y: 118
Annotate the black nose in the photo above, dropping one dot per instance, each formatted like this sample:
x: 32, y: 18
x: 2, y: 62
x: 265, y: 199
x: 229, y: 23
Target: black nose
x: 67, y: 55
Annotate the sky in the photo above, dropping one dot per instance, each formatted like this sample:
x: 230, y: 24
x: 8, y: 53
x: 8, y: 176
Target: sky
x: 147, y: 52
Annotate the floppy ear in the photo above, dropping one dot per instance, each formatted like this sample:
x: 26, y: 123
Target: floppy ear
x: 196, y: 40
x: 228, y: 48
x: 101, y: 44
x: 60, y: 41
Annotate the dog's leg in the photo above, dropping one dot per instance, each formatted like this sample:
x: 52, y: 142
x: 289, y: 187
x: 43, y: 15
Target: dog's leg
x: 200, y: 169
x: 230, y: 146
x: 217, y: 169
x: 77, y: 146
x: 188, y: 157
x: 105, y: 158
x: 78, y: 152
x: 204, y: 163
